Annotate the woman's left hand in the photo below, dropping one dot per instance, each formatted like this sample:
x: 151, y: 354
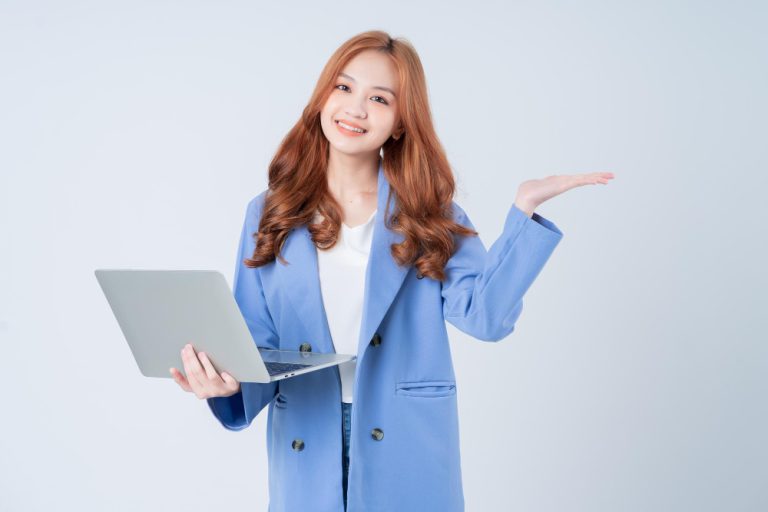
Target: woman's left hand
x: 532, y: 193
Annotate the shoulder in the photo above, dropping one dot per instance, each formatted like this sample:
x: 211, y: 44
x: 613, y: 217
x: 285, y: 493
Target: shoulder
x: 459, y: 215
x: 456, y: 210
x: 256, y: 205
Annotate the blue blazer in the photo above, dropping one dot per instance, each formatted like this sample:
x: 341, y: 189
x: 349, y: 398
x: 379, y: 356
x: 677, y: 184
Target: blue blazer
x: 404, y: 383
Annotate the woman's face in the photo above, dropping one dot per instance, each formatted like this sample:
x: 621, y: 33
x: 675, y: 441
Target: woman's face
x: 363, y: 97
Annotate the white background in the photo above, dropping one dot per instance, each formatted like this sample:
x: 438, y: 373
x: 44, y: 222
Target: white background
x: 133, y: 134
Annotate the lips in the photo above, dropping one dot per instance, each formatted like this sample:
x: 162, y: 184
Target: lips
x: 351, y: 124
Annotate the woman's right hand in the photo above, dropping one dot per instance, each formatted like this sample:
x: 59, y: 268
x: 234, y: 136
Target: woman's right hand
x: 201, y: 377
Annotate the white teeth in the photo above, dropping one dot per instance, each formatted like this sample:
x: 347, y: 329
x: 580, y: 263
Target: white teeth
x: 358, y: 130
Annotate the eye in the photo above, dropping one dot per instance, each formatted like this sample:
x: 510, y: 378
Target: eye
x: 383, y: 101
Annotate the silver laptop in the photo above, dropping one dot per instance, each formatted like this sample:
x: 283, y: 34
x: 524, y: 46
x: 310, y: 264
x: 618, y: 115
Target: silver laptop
x: 160, y: 311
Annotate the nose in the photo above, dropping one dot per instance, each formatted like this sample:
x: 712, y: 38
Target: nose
x: 356, y: 108
x: 356, y: 112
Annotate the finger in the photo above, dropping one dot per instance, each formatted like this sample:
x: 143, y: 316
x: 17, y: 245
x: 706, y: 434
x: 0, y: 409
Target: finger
x: 194, y: 364
x: 230, y: 380
x: 210, y: 371
x: 223, y: 380
x: 604, y: 177
x: 570, y: 181
x: 190, y: 362
x: 197, y: 388
x: 589, y: 179
x: 180, y: 379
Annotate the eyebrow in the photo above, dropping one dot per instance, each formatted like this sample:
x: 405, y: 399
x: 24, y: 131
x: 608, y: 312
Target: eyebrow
x: 390, y: 91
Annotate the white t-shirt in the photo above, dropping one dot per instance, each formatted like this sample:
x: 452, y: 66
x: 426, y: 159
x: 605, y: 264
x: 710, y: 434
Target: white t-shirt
x: 342, y: 283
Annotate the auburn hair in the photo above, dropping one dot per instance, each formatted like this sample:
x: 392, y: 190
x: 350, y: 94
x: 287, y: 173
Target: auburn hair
x: 415, y: 165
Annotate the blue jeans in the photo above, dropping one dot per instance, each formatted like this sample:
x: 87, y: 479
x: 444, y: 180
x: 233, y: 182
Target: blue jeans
x: 346, y: 431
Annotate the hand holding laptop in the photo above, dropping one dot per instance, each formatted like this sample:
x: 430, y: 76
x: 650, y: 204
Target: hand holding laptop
x: 159, y: 311
x: 202, y: 379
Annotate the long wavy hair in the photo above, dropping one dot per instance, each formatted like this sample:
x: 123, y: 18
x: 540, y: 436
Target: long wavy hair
x: 415, y: 166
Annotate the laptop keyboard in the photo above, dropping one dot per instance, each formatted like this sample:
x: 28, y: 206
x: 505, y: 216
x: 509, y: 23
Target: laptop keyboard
x: 275, y: 368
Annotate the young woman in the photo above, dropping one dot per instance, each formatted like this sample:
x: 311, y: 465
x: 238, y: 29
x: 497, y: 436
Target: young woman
x: 358, y: 247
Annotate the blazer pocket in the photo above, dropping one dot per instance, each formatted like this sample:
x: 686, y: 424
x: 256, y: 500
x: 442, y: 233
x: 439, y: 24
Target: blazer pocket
x: 280, y: 402
x: 427, y: 388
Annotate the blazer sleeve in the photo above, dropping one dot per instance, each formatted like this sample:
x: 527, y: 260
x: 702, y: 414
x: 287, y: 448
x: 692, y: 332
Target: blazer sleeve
x: 236, y: 412
x: 483, y: 291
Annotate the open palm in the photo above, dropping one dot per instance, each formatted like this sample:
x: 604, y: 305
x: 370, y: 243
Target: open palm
x: 534, y: 192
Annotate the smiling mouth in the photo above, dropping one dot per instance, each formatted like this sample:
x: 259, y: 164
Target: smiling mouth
x: 350, y: 128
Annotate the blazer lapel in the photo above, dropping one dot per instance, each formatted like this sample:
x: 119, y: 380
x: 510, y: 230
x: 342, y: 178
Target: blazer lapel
x: 383, y: 277
x: 301, y: 283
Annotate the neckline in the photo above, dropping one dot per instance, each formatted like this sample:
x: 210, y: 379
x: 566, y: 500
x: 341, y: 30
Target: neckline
x: 352, y: 228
